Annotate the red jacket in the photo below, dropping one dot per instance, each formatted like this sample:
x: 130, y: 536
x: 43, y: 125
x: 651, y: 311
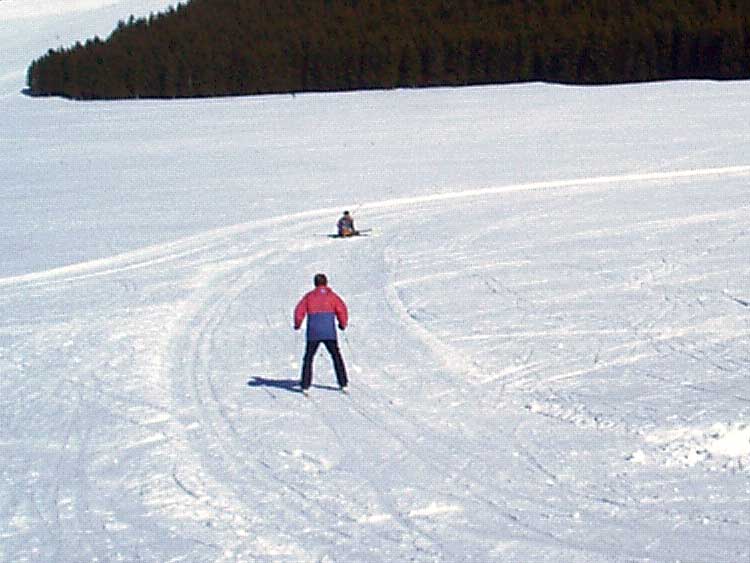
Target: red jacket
x: 322, y: 308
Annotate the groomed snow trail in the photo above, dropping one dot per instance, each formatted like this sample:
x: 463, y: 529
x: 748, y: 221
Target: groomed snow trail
x: 518, y: 388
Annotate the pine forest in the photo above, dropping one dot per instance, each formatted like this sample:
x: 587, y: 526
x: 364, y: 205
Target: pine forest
x: 241, y: 47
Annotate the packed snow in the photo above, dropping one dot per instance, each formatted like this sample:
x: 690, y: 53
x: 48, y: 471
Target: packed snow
x: 548, y: 348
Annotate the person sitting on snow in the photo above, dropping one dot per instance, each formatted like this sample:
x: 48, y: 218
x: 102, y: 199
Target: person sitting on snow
x: 345, y: 225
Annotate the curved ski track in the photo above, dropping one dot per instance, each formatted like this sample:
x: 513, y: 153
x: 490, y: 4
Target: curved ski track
x: 419, y: 463
x: 219, y: 427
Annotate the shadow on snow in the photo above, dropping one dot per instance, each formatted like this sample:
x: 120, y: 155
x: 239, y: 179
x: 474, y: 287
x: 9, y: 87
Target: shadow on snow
x: 291, y: 385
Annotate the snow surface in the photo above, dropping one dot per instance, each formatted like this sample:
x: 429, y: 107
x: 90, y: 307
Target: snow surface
x: 548, y: 348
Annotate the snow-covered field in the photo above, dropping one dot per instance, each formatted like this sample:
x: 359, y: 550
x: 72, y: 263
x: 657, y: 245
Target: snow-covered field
x: 548, y: 348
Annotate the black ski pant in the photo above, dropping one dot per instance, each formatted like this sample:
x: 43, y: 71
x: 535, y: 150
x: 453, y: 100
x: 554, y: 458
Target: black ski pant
x: 338, y: 363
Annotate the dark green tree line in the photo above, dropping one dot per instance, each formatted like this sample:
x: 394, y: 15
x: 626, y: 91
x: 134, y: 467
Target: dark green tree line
x: 239, y: 47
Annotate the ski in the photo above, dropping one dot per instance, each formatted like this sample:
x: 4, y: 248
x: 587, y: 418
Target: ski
x: 362, y: 233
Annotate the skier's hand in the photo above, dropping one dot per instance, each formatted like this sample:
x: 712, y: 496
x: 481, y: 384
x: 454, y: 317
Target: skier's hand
x: 341, y: 327
x: 297, y: 327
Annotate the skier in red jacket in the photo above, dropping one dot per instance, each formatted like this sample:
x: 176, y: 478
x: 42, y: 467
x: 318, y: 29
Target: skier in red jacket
x: 322, y: 308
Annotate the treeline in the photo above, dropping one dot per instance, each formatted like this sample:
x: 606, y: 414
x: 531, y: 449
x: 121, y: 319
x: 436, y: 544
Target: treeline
x: 237, y: 47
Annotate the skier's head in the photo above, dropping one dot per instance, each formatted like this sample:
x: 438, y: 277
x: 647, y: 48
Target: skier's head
x: 346, y: 214
x: 320, y: 280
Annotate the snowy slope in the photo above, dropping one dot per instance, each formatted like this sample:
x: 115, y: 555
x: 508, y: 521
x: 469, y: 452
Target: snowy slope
x: 548, y: 349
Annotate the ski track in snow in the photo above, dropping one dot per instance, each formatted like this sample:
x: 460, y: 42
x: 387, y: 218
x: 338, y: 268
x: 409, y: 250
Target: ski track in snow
x: 443, y: 451
x: 162, y: 253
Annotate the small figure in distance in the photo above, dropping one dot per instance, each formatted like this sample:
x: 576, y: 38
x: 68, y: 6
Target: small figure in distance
x: 323, y: 308
x: 345, y: 226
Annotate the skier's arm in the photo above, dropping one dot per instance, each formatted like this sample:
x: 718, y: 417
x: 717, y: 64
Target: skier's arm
x: 342, y: 314
x: 299, y: 313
